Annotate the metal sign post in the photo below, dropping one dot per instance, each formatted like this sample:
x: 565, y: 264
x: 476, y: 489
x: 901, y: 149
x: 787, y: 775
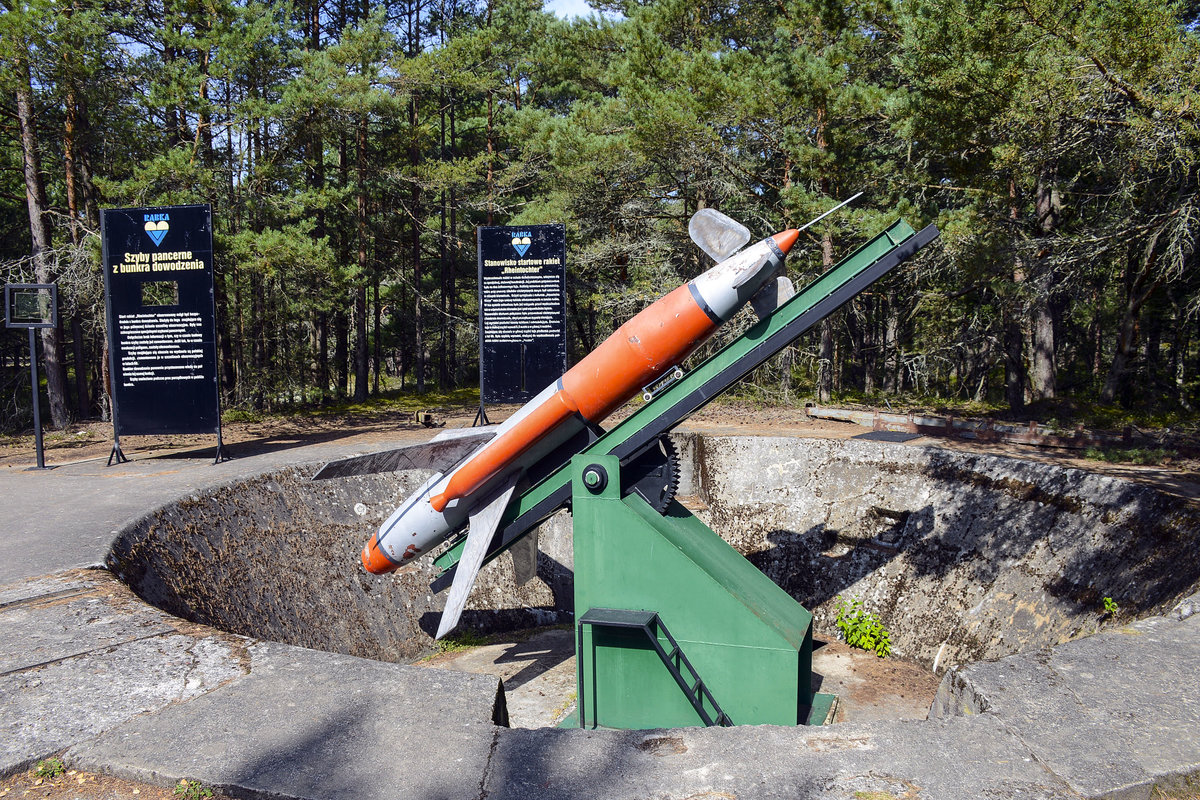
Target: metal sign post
x: 32, y: 306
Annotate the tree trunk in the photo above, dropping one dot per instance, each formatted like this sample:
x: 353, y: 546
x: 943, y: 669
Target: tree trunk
x: 1140, y: 287
x: 377, y: 339
x: 414, y: 159
x: 70, y: 144
x: 341, y: 353
x: 825, y: 356
x: 1014, y: 335
x: 892, y: 376
x: 82, y: 409
x: 323, y: 356
x: 1014, y: 367
x: 1043, y: 373
x: 361, y: 353
x: 35, y: 202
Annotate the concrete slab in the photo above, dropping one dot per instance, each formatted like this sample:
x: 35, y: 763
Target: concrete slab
x: 307, y: 724
x: 538, y: 674
x: 951, y: 759
x: 53, y: 627
x: 42, y: 588
x: 55, y: 706
x: 1112, y: 714
x: 1140, y: 684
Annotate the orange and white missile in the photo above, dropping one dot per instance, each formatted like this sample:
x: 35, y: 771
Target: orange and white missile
x: 476, y: 491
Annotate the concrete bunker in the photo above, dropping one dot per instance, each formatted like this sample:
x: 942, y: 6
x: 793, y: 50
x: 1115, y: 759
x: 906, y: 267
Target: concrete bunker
x: 965, y: 557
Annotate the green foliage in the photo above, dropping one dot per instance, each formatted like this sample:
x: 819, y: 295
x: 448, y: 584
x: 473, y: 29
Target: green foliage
x: 1110, y: 606
x: 463, y: 640
x: 50, y: 768
x: 1142, y: 456
x: 862, y: 629
x: 192, y: 790
x: 350, y: 150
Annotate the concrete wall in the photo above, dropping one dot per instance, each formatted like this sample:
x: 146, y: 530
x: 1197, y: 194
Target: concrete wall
x: 277, y: 558
x: 973, y: 557
x: 964, y: 557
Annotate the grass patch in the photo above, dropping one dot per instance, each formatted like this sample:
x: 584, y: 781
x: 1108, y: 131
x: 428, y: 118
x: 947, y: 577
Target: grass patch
x: 469, y: 639
x: 396, y: 400
x: 1142, y: 456
x: 466, y: 640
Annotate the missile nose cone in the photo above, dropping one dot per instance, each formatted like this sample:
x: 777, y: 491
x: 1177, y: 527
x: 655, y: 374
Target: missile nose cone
x: 785, y: 239
x: 374, y: 560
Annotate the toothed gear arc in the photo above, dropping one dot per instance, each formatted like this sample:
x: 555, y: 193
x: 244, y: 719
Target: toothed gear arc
x: 654, y: 474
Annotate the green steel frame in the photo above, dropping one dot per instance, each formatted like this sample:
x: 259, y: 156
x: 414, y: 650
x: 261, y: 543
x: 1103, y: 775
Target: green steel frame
x: 738, y: 648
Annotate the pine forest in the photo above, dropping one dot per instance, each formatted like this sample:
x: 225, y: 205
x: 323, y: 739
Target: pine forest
x: 349, y: 149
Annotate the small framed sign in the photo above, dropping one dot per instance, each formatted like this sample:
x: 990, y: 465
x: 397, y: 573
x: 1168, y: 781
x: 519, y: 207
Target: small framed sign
x: 30, y: 305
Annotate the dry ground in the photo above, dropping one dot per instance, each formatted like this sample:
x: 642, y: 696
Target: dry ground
x: 93, y: 440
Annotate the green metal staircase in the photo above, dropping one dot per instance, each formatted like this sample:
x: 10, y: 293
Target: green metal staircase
x: 676, y: 662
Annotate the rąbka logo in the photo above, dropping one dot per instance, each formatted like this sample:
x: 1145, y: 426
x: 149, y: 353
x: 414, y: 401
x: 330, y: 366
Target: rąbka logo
x: 520, y: 242
x: 157, y: 226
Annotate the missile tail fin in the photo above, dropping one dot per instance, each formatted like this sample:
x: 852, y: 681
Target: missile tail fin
x: 771, y: 296
x: 440, y: 454
x: 524, y: 557
x: 482, y: 525
x: 717, y: 234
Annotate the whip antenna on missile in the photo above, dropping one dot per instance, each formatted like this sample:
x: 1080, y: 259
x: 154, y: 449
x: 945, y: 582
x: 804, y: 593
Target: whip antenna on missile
x: 830, y: 211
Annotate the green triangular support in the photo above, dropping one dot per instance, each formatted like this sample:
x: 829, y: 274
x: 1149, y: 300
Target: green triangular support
x: 747, y: 639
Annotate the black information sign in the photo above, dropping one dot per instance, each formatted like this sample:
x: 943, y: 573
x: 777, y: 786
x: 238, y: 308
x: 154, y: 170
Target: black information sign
x: 522, y: 324
x: 158, y: 282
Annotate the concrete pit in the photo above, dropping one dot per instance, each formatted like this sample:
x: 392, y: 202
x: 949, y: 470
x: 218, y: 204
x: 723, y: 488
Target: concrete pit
x: 964, y: 557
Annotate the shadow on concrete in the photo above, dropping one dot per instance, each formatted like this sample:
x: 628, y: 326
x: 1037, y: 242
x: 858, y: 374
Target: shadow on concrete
x: 326, y: 761
x: 250, y: 447
x: 542, y: 656
x: 817, y: 565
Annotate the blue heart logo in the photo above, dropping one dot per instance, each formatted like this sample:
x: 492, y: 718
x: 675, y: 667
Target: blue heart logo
x: 521, y: 245
x: 157, y: 231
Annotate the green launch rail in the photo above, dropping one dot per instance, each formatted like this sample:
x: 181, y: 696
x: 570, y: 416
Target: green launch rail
x: 634, y: 435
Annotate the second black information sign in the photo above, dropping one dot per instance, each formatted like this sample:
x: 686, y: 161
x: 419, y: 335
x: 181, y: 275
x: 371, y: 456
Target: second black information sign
x: 522, y: 324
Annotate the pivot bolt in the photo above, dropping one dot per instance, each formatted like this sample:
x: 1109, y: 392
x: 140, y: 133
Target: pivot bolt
x: 595, y: 478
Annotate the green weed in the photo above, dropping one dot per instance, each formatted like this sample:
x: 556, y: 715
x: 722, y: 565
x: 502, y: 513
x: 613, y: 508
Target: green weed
x: 461, y: 641
x: 192, y: 790
x: 862, y: 629
x: 1110, y: 607
x: 50, y: 768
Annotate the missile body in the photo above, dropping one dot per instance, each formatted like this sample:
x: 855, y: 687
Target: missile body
x: 653, y: 342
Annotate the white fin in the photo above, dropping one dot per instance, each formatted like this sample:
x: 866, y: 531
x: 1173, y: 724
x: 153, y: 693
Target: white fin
x: 482, y: 525
x: 771, y: 296
x: 440, y: 454
x: 524, y: 558
x: 465, y: 433
x: 717, y: 234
